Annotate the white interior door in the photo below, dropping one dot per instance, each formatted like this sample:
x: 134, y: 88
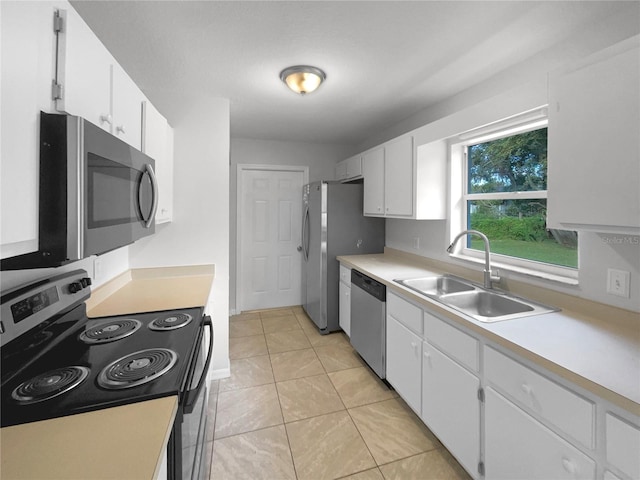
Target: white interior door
x: 270, y: 227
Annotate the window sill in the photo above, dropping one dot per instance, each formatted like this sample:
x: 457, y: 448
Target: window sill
x: 565, y: 276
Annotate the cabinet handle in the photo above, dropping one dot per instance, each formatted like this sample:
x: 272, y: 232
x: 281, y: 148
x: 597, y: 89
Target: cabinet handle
x: 414, y: 345
x: 527, y: 389
x: 569, y: 465
x: 120, y: 129
x: 106, y: 119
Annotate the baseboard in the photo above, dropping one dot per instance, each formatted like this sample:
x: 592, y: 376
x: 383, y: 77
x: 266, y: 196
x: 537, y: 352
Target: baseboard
x: 219, y: 373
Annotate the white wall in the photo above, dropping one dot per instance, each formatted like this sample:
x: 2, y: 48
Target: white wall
x: 597, y: 252
x: 199, y: 232
x: 320, y: 158
x: 621, y: 24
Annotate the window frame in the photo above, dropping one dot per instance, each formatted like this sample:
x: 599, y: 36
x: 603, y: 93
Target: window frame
x: 459, y: 197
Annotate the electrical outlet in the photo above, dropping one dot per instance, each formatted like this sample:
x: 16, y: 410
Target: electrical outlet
x: 416, y: 243
x: 618, y: 282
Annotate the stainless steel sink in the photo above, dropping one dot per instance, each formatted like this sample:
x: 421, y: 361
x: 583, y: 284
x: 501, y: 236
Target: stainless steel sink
x: 484, y: 305
x: 436, y: 286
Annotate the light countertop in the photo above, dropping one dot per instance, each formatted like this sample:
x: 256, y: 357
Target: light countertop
x: 114, y: 443
x: 592, y: 345
x: 152, y: 289
x: 126, y: 442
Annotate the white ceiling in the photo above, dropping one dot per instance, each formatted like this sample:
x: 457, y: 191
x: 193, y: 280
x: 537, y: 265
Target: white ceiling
x: 385, y: 61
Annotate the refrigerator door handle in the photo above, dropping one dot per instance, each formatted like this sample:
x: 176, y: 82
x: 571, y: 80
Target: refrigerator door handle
x: 305, y: 233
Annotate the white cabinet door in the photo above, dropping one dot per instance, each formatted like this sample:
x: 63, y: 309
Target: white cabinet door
x: 28, y: 42
x: 594, y: 146
x: 518, y: 446
x: 398, y: 177
x: 341, y: 170
x: 404, y: 363
x: 345, y: 308
x: 84, y: 70
x: 354, y: 167
x: 373, y: 172
x: 623, y: 445
x: 158, y: 144
x: 127, y: 108
x: 450, y: 406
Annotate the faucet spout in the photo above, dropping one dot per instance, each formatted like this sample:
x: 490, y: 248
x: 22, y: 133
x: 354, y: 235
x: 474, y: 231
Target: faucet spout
x: 488, y: 277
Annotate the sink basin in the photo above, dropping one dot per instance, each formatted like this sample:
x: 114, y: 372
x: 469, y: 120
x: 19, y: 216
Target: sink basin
x: 475, y: 301
x: 486, y: 304
x: 436, y: 286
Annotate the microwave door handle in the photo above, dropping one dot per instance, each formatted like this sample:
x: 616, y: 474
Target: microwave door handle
x: 154, y: 202
x: 192, y: 395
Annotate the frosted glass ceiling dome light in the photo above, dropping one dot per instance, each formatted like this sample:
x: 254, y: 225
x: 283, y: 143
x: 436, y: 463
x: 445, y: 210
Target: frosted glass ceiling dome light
x: 302, y: 79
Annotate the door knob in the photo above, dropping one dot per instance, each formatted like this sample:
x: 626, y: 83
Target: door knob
x: 299, y: 248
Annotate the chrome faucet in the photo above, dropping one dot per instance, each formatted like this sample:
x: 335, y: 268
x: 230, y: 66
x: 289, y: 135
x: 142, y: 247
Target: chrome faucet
x: 488, y: 277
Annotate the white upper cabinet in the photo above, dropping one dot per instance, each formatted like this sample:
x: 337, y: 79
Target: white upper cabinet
x: 27, y: 41
x: 93, y: 85
x: 373, y: 172
x: 158, y: 144
x: 594, y: 144
x: 127, y: 108
x: 398, y: 177
x: 405, y: 180
x: 84, y: 72
x: 349, y: 169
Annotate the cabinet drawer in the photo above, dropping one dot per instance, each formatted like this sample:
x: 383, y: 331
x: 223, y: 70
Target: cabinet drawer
x: 406, y: 313
x: 568, y: 411
x: 517, y: 446
x: 345, y: 275
x: 623, y: 445
x: 452, y: 341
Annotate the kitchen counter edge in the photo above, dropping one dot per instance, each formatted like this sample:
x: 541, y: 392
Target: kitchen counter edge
x: 405, y: 265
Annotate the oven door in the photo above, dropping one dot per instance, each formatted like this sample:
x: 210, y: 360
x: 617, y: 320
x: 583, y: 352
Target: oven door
x: 185, y: 452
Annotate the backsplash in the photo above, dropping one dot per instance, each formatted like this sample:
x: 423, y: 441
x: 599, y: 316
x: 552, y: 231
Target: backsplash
x: 108, y: 265
x: 597, y: 253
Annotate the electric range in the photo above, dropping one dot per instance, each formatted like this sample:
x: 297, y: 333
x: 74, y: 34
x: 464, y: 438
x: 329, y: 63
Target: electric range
x: 57, y: 362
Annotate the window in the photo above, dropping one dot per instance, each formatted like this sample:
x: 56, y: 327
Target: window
x: 504, y: 195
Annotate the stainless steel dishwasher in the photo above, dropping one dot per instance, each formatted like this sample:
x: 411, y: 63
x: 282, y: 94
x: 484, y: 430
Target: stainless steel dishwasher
x: 368, y: 320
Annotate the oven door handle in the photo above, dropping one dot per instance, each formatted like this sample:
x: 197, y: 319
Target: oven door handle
x: 192, y: 395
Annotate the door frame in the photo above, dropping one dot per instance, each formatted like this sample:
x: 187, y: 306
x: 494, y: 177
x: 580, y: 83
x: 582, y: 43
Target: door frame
x: 240, y: 168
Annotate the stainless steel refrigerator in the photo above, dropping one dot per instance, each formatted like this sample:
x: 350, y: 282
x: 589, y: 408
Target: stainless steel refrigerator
x: 332, y: 225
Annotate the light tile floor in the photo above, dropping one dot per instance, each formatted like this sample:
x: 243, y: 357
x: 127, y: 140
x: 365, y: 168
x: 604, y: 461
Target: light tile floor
x: 300, y: 405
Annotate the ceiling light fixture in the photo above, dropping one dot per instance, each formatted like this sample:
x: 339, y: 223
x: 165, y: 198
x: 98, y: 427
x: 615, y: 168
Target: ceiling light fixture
x: 302, y: 79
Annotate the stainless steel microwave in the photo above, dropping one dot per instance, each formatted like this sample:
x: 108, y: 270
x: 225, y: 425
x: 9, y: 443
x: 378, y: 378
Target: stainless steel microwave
x: 97, y: 193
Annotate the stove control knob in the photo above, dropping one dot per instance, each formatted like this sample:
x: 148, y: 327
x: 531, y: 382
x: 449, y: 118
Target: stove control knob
x: 85, y: 282
x: 75, y: 287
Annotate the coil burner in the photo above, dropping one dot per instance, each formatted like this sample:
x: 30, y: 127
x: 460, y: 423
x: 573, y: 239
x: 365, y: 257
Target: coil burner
x: 170, y: 321
x: 110, y: 331
x: 137, y: 368
x: 49, y: 384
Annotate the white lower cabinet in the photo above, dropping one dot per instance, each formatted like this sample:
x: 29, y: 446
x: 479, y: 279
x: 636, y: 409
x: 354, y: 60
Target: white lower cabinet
x: 500, y: 415
x: 345, y: 308
x: 344, y: 304
x: 623, y: 445
x: 518, y: 446
x: 450, y: 406
x: 404, y: 364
